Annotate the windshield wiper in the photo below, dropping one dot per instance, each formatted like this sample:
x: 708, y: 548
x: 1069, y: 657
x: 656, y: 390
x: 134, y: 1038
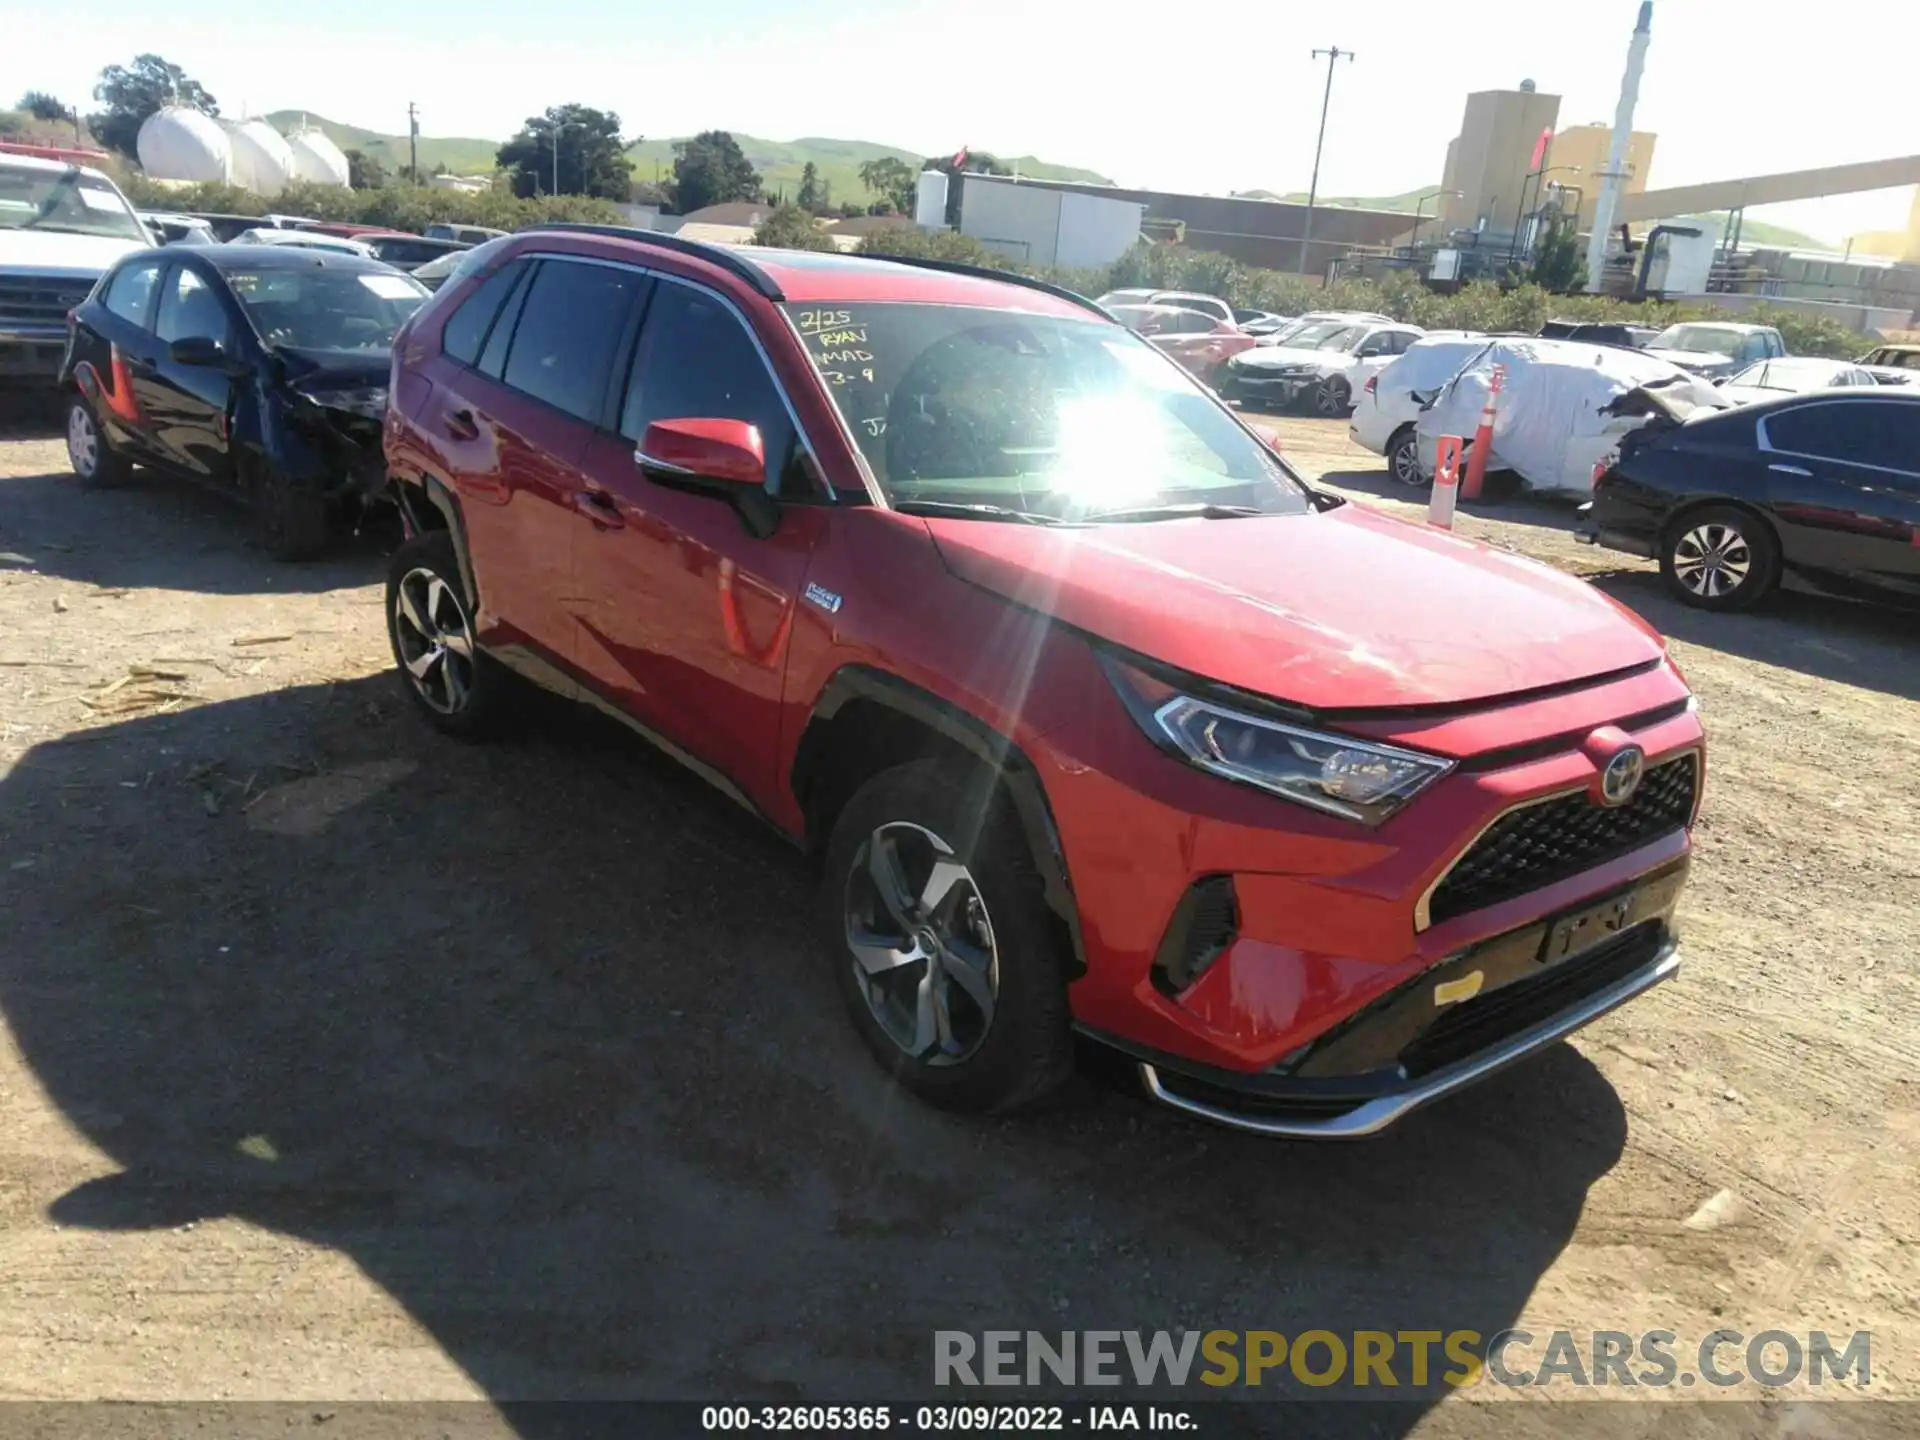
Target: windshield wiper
x: 1206, y: 511
x: 973, y: 512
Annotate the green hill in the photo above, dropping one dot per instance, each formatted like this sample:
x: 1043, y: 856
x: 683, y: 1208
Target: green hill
x: 779, y: 162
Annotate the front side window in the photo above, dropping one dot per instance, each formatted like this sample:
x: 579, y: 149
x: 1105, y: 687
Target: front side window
x: 297, y: 307
x: 1043, y: 414
x: 569, y: 329
x: 190, y: 310
x: 697, y: 362
x: 130, y: 295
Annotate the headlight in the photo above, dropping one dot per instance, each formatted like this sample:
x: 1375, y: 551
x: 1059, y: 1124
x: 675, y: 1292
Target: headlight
x: 1356, y: 779
x: 371, y: 401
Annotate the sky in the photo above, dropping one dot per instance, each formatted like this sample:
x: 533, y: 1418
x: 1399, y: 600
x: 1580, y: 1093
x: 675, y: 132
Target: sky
x: 1226, y: 99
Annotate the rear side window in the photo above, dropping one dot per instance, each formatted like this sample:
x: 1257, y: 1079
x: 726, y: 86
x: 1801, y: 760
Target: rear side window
x: 130, y: 296
x: 1860, y: 432
x: 466, y: 328
x: 568, y: 332
x: 697, y: 362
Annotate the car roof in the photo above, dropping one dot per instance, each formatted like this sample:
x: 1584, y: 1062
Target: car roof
x: 1842, y: 395
x: 276, y: 257
x: 50, y: 167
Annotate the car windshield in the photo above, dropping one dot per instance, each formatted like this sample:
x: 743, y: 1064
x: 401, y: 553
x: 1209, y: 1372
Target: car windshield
x: 65, y: 202
x: 1343, y: 339
x: 1782, y: 375
x: 1699, y: 339
x: 1033, y: 415
x: 299, y: 308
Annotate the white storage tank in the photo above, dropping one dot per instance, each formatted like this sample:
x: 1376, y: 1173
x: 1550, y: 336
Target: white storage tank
x: 930, y: 200
x: 262, y: 162
x: 317, y: 158
x: 180, y: 143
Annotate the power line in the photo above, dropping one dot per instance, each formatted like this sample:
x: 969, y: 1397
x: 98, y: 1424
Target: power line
x: 1313, y: 189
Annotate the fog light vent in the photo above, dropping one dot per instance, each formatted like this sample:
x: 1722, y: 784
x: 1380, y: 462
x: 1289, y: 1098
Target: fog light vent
x: 1204, y: 924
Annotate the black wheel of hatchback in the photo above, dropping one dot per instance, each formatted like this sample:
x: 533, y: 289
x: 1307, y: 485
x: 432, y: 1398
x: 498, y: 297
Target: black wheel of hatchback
x: 1720, y: 557
x: 942, y: 943
x: 95, y: 462
x: 1403, y: 460
x: 460, y: 689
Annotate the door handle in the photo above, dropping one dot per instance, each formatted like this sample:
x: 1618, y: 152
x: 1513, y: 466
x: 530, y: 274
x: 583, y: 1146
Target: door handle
x: 460, y: 425
x: 599, y: 507
x: 1792, y: 470
x: 140, y: 365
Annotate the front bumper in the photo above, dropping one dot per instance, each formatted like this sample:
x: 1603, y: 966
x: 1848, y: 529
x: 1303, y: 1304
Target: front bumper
x: 32, y: 352
x: 1254, y: 385
x: 1322, y: 1113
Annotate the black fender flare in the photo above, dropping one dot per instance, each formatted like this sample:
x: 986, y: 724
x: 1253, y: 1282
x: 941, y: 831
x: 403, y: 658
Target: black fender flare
x: 418, y: 496
x: 1002, y: 757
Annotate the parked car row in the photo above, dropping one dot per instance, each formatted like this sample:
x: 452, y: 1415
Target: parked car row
x: 1101, y: 722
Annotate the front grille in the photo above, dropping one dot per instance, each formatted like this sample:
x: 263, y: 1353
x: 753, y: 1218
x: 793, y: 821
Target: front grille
x: 1539, y: 845
x: 1474, y: 1025
x: 39, y: 299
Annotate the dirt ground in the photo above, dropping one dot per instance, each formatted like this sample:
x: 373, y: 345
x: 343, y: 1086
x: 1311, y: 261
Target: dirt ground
x: 338, y: 1061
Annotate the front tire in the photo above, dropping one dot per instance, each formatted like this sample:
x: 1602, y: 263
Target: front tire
x: 95, y: 463
x: 1720, y: 558
x: 942, y: 943
x: 457, y: 687
x: 1403, y: 460
x: 1332, y: 397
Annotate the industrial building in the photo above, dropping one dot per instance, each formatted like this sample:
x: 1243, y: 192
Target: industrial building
x: 1490, y: 161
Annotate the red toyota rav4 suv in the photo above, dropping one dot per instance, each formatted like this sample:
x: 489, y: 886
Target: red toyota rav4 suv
x: 1098, y: 719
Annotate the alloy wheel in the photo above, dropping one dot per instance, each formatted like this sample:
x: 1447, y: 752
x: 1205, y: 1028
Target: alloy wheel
x: 434, y: 639
x: 1404, y: 463
x: 922, y: 945
x: 83, y: 442
x: 1712, y: 560
x: 1330, y: 397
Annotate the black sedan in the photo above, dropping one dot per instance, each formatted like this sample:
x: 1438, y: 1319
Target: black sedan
x: 1819, y: 491
x: 258, y: 369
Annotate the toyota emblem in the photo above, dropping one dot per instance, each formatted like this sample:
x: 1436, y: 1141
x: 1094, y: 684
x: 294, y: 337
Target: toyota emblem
x: 1621, y: 777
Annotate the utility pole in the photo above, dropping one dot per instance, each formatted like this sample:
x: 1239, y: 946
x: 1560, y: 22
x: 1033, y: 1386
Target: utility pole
x: 1313, y: 189
x: 413, y: 141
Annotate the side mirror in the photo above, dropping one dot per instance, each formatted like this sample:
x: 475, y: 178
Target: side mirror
x: 722, y: 458
x: 198, y: 350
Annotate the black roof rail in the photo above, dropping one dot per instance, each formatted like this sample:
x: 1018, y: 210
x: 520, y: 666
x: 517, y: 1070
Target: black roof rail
x: 728, y: 260
x: 982, y: 272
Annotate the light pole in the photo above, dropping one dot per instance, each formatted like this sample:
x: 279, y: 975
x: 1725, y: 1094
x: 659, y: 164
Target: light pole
x: 558, y: 126
x: 1420, y: 205
x: 1313, y: 188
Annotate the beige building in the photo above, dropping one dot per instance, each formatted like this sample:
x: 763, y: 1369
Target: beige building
x: 1893, y: 244
x: 1490, y: 159
x: 1586, y: 146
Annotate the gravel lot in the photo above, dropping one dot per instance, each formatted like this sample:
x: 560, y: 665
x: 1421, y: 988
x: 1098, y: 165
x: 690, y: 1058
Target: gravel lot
x: 341, y: 1062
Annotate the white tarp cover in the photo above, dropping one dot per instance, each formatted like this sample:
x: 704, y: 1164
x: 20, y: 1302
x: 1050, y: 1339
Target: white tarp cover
x: 179, y: 143
x: 1549, y: 427
x: 262, y: 162
x: 317, y: 158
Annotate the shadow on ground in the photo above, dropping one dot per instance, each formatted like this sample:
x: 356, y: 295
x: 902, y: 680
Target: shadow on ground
x: 1503, y: 498
x: 536, y: 1034
x: 1850, y: 644
x: 157, y: 532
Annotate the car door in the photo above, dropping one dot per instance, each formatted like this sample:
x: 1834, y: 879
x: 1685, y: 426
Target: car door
x: 124, y: 320
x: 1844, y: 482
x: 513, y: 423
x: 685, y: 615
x: 1189, y: 337
x: 190, y: 405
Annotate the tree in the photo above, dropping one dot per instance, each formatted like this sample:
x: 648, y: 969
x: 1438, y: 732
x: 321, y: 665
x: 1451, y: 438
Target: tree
x: 711, y: 169
x: 809, y: 197
x: 790, y: 227
x: 892, y: 180
x: 1556, y: 256
x: 364, y: 172
x: 592, y: 156
x: 131, y: 93
x: 42, y: 106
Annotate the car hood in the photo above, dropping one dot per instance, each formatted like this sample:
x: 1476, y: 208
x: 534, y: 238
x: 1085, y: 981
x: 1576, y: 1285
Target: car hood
x: 55, y: 253
x: 1272, y: 357
x: 1339, y: 609
x: 319, y: 370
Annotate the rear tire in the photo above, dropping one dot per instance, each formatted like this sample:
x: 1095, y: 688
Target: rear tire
x: 460, y: 689
x: 292, y: 521
x: 958, y: 985
x: 1719, y: 557
x: 1403, y: 460
x: 95, y: 463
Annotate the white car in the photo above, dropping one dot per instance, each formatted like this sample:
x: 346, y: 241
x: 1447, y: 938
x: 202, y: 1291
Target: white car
x: 1793, y: 375
x: 1715, y: 349
x: 1183, y: 299
x: 1312, y: 364
x: 1365, y: 367
x: 1386, y: 407
x: 304, y: 240
x: 1284, y: 334
x: 62, y: 226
